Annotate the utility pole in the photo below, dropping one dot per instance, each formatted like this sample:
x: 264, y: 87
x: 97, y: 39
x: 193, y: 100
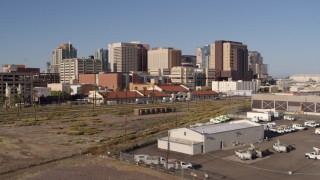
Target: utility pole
x: 168, y: 147
x: 125, y: 130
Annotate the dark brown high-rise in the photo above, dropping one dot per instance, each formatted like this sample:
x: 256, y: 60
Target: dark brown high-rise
x: 231, y: 58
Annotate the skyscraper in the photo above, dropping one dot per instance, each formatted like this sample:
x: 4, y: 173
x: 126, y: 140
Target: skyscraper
x: 164, y: 58
x: 64, y: 51
x: 231, y: 58
x: 71, y: 68
x: 102, y: 54
x: 260, y: 70
x: 125, y: 57
x: 203, y: 56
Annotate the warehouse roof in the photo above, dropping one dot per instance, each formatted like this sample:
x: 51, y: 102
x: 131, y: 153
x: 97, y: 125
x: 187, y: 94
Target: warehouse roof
x: 223, y: 127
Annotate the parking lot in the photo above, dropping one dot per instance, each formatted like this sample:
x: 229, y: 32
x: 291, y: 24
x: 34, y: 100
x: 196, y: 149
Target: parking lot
x: 274, y: 166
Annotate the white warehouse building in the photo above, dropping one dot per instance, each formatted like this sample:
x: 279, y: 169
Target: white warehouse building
x: 206, y: 138
x: 225, y: 86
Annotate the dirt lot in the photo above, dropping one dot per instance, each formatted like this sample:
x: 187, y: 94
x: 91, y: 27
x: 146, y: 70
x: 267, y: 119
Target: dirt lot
x: 56, y: 134
x: 88, y: 167
x: 275, y: 166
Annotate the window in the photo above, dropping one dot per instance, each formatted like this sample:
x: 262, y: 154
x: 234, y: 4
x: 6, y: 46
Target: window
x: 185, y: 133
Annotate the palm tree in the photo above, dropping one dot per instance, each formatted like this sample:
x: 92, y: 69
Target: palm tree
x: 135, y: 88
x: 107, y: 96
x: 144, y: 91
x: 70, y: 91
x: 34, y: 92
x: 127, y: 89
x: 117, y: 90
x: 81, y: 95
x: 95, y: 88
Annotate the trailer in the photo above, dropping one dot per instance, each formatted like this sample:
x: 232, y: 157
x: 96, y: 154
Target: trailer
x: 149, y: 160
x: 261, y: 116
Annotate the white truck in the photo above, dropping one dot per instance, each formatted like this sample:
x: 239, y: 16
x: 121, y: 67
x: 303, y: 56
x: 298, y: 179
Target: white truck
x: 176, y: 164
x: 289, y: 118
x: 244, y: 154
x: 311, y: 124
x: 298, y: 126
x: 260, y: 116
x: 313, y: 155
x: 277, y: 129
x: 280, y: 147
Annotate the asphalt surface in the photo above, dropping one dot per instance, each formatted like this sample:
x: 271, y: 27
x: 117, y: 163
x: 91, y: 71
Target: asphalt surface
x: 274, y: 166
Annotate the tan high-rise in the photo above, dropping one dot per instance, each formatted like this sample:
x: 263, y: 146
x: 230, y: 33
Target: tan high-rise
x: 163, y: 58
x: 64, y: 51
x: 125, y: 57
x: 71, y: 68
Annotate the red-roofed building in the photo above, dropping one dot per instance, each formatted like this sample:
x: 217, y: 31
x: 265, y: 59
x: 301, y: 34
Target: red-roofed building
x: 177, y: 92
x: 201, y: 95
x: 122, y: 97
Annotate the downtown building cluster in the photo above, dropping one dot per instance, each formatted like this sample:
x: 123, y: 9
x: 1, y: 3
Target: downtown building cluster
x: 125, y: 66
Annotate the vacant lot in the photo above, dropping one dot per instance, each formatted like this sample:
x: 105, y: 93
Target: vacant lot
x: 51, y: 133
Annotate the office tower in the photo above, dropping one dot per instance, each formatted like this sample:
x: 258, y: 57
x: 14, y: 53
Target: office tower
x: 190, y: 59
x: 102, y: 54
x: 125, y: 57
x: 71, y: 68
x: 231, y: 58
x: 203, y: 56
x: 260, y: 70
x: 64, y: 51
x: 163, y: 58
x: 198, y: 56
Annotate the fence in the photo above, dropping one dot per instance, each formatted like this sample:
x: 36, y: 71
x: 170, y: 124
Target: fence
x: 191, y: 174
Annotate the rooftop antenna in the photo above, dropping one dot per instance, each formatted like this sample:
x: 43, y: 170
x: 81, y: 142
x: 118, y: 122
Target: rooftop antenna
x: 25, y: 62
x: 69, y: 45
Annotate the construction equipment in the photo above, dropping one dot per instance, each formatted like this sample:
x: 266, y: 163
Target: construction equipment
x: 280, y: 147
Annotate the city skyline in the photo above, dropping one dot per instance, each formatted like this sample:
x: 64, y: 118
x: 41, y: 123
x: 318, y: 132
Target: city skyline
x: 283, y: 32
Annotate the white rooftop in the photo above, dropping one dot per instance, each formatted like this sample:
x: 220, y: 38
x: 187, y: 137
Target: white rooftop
x: 223, y: 127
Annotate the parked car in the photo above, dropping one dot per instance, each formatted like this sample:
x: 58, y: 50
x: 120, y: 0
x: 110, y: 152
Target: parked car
x: 289, y: 118
x: 311, y: 124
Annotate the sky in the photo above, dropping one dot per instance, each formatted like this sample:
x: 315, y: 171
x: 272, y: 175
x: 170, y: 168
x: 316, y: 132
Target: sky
x: 285, y: 32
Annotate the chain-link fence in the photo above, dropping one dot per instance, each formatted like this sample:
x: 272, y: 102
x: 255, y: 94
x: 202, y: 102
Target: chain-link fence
x: 187, y: 173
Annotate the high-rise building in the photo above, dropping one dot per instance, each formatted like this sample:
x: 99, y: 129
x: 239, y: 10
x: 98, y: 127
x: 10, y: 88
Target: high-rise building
x: 64, y: 51
x: 190, y: 59
x: 102, y: 54
x: 163, y: 58
x: 260, y: 70
x: 231, y: 58
x: 71, y: 68
x: 125, y: 57
x: 198, y: 56
x: 203, y: 56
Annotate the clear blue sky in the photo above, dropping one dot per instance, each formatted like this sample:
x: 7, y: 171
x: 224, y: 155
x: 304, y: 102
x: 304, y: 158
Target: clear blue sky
x: 286, y: 32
